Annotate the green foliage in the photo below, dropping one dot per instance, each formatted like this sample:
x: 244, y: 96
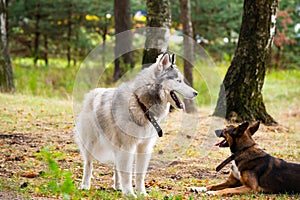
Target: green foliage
x: 59, y: 26
x: 55, y: 28
x: 215, y: 20
x: 286, y: 41
x: 59, y: 182
x: 53, y: 80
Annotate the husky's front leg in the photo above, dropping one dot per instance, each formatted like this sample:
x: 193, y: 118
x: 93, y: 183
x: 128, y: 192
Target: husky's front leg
x: 124, y: 165
x: 142, y: 161
x: 116, y: 178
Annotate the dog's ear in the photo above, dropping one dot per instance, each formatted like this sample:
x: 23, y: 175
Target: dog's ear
x: 254, y: 127
x: 164, y: 61
x: 242, y: 128
x: 173, y: 59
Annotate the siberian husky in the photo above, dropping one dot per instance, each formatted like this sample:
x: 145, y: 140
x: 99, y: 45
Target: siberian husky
x: 121, y: 124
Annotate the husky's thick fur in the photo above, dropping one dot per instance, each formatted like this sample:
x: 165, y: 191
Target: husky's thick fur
x: 113, y: 125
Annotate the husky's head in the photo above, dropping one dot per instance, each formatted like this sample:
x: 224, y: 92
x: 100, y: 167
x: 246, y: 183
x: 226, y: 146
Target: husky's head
x: 171, y: 81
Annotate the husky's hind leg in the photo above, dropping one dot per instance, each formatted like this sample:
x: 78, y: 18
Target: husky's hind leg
x: 87, y: 170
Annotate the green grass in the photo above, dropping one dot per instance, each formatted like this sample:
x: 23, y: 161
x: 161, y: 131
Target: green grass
x: 55, y: 80
x: 281, y: 89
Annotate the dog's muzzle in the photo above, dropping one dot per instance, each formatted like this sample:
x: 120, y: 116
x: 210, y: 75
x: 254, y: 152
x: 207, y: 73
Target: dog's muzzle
x: 219, y: 132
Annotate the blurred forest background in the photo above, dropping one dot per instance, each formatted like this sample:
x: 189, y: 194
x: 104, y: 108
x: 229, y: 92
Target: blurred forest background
x: 49, y: 39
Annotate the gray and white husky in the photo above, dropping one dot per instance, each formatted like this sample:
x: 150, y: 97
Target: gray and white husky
x: 120, y: 124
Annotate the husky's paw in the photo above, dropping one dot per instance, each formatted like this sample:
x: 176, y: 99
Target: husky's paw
x: 145, y: 194
x: 117, y: 187
x: 84, y: 187
x: 198, y: 189
x: 129, y: 194
x: 141, y: 191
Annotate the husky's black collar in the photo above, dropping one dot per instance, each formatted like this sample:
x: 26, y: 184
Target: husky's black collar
x: 232, y: 157
x: 150, y: 117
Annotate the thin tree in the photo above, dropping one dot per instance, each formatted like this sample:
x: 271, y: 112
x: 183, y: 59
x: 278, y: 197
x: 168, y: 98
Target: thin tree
x: 69, y: 33
x: 158, y: 16
x: 188, y: 44
x: 37, y: 33
x: 124, y: 41
x: 242, y: 99
x: 6, y: 72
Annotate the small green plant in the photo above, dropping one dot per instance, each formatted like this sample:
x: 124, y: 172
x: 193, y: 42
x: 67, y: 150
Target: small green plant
x: 60, y: 181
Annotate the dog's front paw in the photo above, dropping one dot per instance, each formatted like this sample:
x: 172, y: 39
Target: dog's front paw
x: 198, y: 189
x: 84, y: 187
x: 212, y: 193
x: 117, y: 187
x: 144, y: 193
x: 129, y: 193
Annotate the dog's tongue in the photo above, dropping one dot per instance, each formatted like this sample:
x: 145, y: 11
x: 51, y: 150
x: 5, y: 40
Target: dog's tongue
x: 220, y: 143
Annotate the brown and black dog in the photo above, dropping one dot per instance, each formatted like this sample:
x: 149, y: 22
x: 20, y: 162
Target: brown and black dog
x: 253, y: 170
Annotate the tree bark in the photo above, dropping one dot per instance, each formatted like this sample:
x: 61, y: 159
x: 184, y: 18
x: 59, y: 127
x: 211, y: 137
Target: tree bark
x: 46, y: 49
x: 242, y: 99
x: 158, y: 16
x: 188, y: 44
x: 37, y: 34
x: 69, y: 34
x: 124, y: 41
x: 6, y: 72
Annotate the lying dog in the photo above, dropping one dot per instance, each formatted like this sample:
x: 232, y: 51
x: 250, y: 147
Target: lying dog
x: 253, y: 170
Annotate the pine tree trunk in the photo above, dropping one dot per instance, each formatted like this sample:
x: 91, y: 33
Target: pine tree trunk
x: 37, y: 34
x: 242, y: 99
x: 69, y: 34
x: 158, y: 16
x: 124, y: 41
x: 46, y: 49
x: 6, y: 72
x: 188, y: 44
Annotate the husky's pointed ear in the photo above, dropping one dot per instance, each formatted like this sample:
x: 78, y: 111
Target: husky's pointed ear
x: 164, y: 61
x: 173, y: 59
x: 254, y: 127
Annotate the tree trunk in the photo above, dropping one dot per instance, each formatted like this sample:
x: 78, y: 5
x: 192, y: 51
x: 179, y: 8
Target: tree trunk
x: 46, y: 49
x: 69, y: 34
x: 6, y: 72
x: 124, y: 41
x: 158, y: 16
x: 37, y: 34
x: 188, y: 44
x: 242, y: 99
x: 103, y: 35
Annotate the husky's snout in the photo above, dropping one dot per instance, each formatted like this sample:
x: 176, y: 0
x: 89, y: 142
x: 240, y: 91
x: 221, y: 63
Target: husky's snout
x: 189, y: 93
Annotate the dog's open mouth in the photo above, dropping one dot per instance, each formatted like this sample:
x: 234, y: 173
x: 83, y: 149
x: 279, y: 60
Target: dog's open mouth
x: 222, y: 143
x: 179, y: 104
